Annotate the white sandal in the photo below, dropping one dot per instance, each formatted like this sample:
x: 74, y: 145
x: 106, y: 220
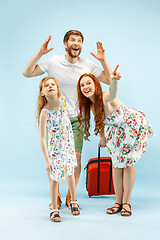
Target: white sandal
x: 74, y: 209
x: 54, y: 215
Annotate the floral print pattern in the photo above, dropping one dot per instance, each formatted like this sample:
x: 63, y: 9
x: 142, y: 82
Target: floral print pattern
x: 127, y: 133
x: 60, y: 143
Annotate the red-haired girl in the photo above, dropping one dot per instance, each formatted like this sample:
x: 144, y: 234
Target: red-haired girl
x: 60, y: 158
x: 127, y: 133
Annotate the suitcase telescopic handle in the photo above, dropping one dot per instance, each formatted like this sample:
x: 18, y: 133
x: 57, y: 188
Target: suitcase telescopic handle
x: 98, y: 178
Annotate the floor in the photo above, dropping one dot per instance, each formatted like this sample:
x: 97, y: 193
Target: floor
x: 25, y: 215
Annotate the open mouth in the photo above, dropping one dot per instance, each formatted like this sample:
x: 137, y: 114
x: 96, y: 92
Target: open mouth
x: 87, y: 91
x: 75, y: 49
x: 51, y: 90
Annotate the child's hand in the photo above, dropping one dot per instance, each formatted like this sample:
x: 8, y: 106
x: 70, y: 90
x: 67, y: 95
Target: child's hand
x: 48, y: 166
x: 102, y: 142
x: 116, y: 75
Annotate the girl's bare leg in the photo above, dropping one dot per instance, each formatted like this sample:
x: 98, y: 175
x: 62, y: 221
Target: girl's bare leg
x: 72, y: 187
x: 77, y: 172
x: 54, y: 193
x: 59, y: 202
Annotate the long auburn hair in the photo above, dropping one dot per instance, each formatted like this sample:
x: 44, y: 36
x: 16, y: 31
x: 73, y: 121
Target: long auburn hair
x: 85, y: 104
x: 42, y: 101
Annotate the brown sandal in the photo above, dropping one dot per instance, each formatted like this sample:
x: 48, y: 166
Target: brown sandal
x: 68, y: 199
x: 59, y: 202
x: 125, y: 212
x: 115, y: 209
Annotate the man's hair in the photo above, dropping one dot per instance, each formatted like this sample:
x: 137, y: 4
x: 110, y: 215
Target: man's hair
x: 72, y: 32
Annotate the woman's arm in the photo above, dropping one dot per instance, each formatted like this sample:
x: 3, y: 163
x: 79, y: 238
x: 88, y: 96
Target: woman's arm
x: 113, y: 89
x: 42, y: 128
x: 102, y: 141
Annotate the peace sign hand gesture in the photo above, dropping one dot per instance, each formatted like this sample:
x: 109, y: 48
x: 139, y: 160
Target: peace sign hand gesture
x: 116, y: 75
x: 100, y: 52
x: 43, y: 48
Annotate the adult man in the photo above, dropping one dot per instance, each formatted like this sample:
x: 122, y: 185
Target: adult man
x: 67, y: 70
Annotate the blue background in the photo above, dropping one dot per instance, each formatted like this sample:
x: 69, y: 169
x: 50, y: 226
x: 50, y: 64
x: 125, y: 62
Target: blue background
x: 129, y: 31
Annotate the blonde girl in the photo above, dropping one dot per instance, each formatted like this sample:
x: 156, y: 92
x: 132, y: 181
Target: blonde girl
x: 60, y: 158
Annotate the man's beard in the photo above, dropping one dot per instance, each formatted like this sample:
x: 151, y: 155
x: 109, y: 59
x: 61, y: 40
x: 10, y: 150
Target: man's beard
x: 69, y: 50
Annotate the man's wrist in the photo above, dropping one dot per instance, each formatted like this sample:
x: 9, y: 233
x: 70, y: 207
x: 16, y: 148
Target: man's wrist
x: 103, y: 60
x: 39, y: 53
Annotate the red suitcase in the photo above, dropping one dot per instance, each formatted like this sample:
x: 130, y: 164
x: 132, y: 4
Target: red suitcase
x: 99, y: 176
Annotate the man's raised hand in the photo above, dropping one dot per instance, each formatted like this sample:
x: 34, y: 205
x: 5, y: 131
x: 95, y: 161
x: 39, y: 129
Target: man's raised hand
x: 100, y: 52
x: 44, y: 48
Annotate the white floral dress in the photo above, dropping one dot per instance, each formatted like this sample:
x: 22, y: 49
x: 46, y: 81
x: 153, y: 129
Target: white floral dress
x: 127, y: 133
x: 60, y: 143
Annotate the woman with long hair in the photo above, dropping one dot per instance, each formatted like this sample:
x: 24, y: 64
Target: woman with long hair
x: 127, y: 133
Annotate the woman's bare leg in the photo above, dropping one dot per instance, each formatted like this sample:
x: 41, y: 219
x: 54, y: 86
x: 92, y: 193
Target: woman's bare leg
x: 118, y: 186
x: 128, y: 183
